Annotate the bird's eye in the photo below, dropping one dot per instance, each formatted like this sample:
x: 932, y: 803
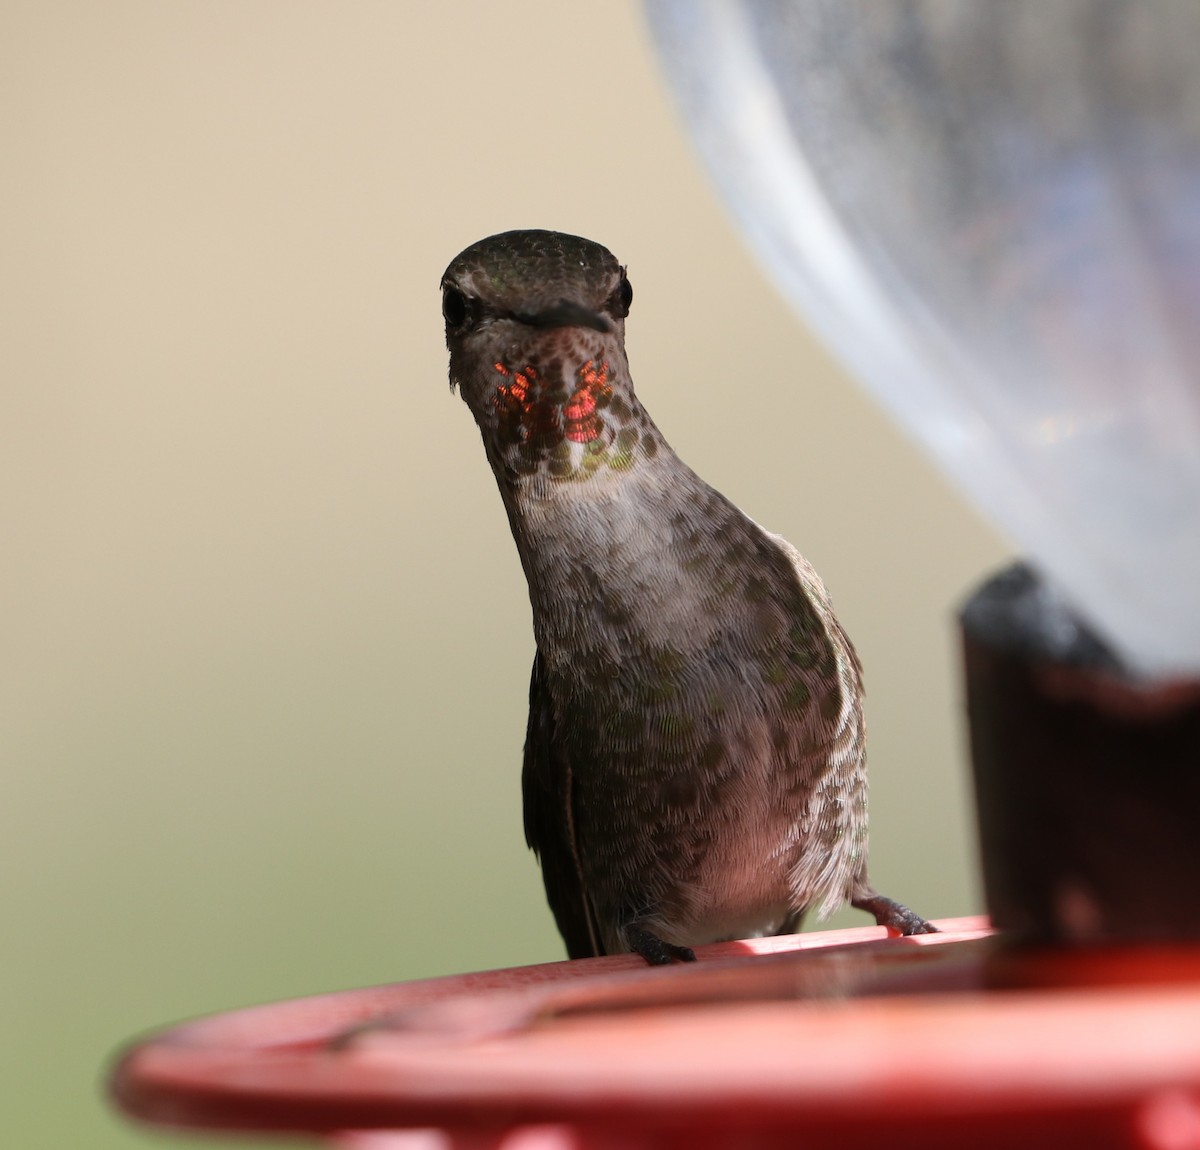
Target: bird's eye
x: 455, y: 308
x: 623, y: 296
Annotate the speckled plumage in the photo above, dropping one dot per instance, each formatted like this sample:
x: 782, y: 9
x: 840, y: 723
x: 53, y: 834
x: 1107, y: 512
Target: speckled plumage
x: 695, y: 756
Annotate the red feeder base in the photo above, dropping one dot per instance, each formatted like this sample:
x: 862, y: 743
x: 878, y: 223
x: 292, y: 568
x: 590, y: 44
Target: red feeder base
x: 845, y: 1038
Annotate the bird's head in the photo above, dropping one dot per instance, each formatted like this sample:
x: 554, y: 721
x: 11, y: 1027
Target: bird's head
x: 535, y: 324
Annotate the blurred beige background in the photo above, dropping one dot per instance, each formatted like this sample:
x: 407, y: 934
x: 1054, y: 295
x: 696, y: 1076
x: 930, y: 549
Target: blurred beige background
x: 266, y: 640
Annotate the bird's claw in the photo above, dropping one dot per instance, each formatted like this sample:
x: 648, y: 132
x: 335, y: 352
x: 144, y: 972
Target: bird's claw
x: 654, y: 950
x: 894, y: 915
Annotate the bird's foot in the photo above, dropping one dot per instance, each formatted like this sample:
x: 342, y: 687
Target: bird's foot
x: 654, y: 950
x: 894, y: 915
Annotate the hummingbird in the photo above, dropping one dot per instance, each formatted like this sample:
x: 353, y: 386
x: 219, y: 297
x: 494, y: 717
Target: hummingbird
x: 694, y: 765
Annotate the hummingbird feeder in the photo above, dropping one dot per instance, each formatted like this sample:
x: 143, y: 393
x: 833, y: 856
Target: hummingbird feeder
x: 993, y: 212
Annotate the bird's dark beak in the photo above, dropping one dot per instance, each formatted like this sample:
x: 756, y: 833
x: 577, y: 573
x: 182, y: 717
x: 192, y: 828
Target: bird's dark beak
x: 565, y: 313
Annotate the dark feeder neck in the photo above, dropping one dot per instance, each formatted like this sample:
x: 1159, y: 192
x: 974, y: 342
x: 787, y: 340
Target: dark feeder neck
x: 1087, y: 783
